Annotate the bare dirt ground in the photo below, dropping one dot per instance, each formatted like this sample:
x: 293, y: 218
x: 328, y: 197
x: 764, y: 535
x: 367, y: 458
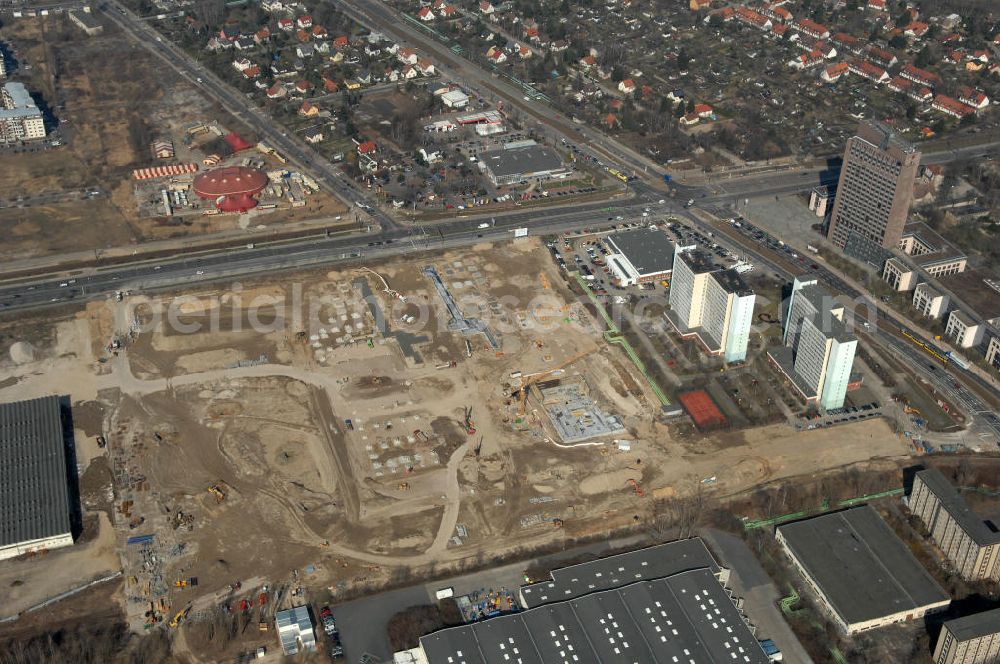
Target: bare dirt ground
x: 342, y: 452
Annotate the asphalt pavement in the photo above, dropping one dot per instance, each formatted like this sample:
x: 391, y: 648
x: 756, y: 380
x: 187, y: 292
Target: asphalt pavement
x: 749, y: 581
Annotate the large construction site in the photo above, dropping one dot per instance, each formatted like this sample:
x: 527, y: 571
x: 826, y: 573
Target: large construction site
x: 346, y: 425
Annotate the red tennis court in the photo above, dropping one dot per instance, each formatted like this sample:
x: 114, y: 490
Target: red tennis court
x: 702, y: 409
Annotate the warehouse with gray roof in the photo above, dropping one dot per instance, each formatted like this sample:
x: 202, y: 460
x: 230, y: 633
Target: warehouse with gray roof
x: 640, y: 255
x: 522, y: 162
x: 660, y: 605
x: 35, y: 505
x: 860, y: 571
x: 652, y: 562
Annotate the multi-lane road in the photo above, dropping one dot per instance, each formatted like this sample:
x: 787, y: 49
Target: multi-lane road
x: 392, y: 237
x: 242, y: 108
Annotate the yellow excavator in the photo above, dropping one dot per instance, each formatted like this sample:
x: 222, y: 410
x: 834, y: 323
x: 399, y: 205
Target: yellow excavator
x: 217, y: 491
x: 181, y: 615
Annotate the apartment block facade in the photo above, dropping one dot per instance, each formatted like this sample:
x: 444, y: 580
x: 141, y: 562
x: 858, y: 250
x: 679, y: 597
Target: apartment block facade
x: 967, y: 542
x: 971, y: 639
x: 875, y: 189
x: 711, y: 303
x: 818, y: 355
x: 20, y: 119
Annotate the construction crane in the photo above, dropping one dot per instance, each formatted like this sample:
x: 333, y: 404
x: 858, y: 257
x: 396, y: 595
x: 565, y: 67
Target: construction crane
x: 530, y: 379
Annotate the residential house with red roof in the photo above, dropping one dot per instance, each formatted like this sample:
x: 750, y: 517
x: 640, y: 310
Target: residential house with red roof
x: 952, y: 107
x: 811, y: 28
x: 868, y: 70
x: 977, y: 99
x: 833, y: 73
x: 921, y: 76
x: 753, y: 18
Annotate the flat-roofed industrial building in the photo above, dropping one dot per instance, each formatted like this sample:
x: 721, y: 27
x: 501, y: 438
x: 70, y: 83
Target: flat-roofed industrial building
x: 295, y: 630
x: 640, y: 256
x: 656, y: 605
x: 522, y: 162
x: 35, y: 507
x: 861, y: 573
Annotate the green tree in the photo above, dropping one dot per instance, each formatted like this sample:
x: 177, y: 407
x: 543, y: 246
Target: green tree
x: 924, y: 57
x: 683, y: 60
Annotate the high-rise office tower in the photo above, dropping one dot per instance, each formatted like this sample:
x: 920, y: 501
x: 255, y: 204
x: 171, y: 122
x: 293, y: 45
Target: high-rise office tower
x: 875, y: 190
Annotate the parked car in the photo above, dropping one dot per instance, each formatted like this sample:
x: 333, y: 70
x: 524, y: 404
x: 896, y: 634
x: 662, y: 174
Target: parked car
x: 326, y: 617
x: 336, y: 649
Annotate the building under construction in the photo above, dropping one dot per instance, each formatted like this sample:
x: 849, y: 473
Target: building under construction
x: 574, y: 414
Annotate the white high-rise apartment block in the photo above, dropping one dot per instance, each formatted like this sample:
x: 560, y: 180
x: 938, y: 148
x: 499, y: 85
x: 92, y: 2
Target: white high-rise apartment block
x: 20, y: 119
x: 711, y: 303
x: 819, y: 351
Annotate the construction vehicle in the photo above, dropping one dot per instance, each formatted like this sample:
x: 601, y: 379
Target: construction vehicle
x: 217, y: 491
x: 421, y: 435
x: 180, y: 616
x: 403, y: 486
x: 527, y: 380
x: 180, y: 583
x: 635, y: 485
x: 468, y: 424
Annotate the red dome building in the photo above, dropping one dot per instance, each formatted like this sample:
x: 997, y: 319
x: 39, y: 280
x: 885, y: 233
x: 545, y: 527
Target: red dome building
x: 232, y: 188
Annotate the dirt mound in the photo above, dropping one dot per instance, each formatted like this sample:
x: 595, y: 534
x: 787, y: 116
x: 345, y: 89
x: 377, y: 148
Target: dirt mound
x: 369, y: 382
x: 21, y: 352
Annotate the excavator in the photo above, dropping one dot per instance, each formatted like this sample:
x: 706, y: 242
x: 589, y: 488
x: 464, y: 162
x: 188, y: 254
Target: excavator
x: 218, y: 491
x: 468, y: 424
x: 530, y: 379
x: 181, y: 615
